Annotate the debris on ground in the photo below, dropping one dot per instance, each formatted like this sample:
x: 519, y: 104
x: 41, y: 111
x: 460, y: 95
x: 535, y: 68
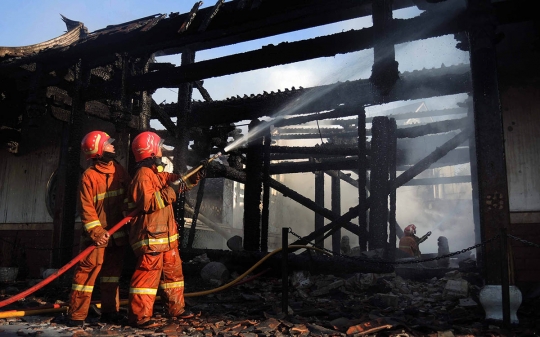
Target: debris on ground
x: 318, y: 305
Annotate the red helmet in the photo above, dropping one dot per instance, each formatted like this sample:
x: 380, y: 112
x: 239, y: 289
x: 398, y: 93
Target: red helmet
x: 93, y: 143
x: 146, y: 145
x: 410, y: 229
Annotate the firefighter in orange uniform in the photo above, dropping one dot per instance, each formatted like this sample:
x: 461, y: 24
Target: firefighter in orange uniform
x: 409, y: 243
x: 103, y: 197
x: 153, y: 234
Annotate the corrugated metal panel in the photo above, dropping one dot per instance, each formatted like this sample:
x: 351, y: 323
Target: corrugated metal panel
x: 23, y: 184
x: 521, y: 108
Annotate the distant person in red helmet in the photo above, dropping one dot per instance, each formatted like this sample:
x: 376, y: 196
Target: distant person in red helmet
x: 409, y: 243
x: 153, y: 234
x: 103, y: 197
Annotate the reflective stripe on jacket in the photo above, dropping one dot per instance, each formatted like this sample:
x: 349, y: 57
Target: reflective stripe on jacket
x: 409, y: 245
x: 103, y: 196
x: 154, y: 229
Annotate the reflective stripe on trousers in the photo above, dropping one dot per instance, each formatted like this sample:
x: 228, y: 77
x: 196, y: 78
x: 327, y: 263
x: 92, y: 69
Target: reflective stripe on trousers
x: 164, y: 271
x: 109, y: 262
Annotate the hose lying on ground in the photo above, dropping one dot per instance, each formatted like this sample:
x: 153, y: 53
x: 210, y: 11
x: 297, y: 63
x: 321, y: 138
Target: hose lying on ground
x: 21, y: 313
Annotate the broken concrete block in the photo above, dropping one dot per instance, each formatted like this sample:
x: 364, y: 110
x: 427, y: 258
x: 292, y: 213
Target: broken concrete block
x: 467, y: 302
x: 215, y: 271
x: 456, y: 288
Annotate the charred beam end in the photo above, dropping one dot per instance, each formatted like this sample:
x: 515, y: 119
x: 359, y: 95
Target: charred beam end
x: 210, y: 16
x: 163, y: 118
x: 431, y: 128
x: 203, y: 91
x: 185, y: 25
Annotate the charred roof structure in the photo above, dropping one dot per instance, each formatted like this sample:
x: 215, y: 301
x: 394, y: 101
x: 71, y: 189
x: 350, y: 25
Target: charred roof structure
x: 60, y: 86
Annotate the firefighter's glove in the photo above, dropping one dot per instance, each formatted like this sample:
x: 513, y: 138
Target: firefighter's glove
x: 202, y: 172
x: 99, y: 235
x: 178, y: 185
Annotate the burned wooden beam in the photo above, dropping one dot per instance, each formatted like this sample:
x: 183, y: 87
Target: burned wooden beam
x: 330, y: 164
x: 433, y: 157
x: 330, y: 149
x: 285, y: 53
x: 438, y: 181
x: 431, y: 128
x: 412, y: 85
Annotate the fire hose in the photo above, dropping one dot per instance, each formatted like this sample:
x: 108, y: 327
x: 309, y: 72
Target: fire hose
x: 20, y: 313
x: 89, y: 249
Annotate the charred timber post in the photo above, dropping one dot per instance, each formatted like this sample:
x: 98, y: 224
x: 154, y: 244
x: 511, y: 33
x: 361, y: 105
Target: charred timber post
x: 185, y: 91
x: 266, y: 193
x: 489, y: 136
x: 319, y: 201
x: 196, y: 209
x: 145, y: 98
x: 252, y: 192
x: 384, y: 73
x: 73, y: 153
x: 336, y: 209
x: 284, y: 270
x: 392, y: 142
x: 378, y: 213
x: 362, y: 174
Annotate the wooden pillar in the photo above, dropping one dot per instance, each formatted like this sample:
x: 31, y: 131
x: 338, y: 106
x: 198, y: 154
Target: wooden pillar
x: 392, y: 140
x: 252, y: 192
x: 64, y: 234
x: 489, y: 139
x: 378, y: 213
x: 362, y: 181
x: 384, y: 73
x: 266, y: 193
x: 336, y: 208
x: 319, y: 201
x: 185, y: 92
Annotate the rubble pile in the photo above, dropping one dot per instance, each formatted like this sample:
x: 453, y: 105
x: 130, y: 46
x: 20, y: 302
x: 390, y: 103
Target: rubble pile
x: 318, y: 305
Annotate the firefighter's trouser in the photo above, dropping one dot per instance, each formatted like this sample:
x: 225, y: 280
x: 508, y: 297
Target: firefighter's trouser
x: 161, y: 270
x: 109, y: 261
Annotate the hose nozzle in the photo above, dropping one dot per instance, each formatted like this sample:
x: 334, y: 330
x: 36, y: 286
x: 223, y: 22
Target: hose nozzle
x: 198, y: 168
